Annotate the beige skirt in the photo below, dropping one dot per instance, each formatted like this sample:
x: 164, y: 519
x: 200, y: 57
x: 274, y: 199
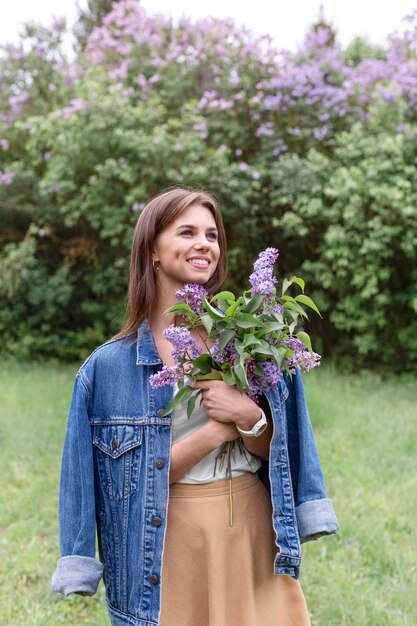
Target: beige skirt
x: 217, y: 575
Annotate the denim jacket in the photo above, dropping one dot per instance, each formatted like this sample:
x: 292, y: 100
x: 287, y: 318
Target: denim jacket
x: 115, y: 480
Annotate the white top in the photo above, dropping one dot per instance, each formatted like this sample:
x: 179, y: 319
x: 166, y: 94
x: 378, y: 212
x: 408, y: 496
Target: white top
x: 202, y: 472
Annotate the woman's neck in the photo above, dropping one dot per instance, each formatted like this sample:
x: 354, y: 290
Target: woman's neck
x: 159, y: 319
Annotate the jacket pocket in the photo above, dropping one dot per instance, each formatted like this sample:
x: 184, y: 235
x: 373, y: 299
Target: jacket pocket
x: 117, y: 454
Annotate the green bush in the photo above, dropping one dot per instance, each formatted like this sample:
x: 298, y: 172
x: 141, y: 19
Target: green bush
x: 313, y: 153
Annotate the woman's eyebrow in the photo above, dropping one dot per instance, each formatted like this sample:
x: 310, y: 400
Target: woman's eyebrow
x: 193, y: 227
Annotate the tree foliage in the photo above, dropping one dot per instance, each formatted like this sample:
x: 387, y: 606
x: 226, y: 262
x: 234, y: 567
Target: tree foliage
x: 312, y: 152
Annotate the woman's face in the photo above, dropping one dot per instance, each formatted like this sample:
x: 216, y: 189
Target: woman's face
x: 187, y: 251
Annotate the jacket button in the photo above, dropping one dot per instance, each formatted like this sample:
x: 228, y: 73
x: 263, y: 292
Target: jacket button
x: 153, y: 579
x: 159, y: 463
x: 156, y: 521
x: 114, y: 444
x: 160, y: 412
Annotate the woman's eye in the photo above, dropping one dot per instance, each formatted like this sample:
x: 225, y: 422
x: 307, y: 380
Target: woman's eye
x: 212, y: 236
x: 186, y: 232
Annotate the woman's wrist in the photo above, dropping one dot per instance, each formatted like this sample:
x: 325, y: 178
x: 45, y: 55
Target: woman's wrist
x: 249, y: 420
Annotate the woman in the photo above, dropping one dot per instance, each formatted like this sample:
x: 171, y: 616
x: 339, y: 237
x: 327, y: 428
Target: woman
x: 167, y: 553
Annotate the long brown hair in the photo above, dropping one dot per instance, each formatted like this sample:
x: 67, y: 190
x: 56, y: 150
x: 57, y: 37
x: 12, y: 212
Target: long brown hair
x: 157, y: 215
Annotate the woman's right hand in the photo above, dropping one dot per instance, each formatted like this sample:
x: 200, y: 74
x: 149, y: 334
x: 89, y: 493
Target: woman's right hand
x: 220, y: 432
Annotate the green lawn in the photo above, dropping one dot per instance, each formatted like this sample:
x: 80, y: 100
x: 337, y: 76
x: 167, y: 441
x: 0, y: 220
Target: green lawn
x: 366, y: 432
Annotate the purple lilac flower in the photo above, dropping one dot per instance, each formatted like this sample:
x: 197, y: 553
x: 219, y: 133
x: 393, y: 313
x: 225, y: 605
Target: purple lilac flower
x: 184, y: 344
x: 7, y: 177
x: 301, y: 357
x: 227, y: 355
x: 269, y: 380
x: 4, y: 144
x: 266, y: 258
x: 262, y: 279
x: 169, y: 375
x: 191, y: 295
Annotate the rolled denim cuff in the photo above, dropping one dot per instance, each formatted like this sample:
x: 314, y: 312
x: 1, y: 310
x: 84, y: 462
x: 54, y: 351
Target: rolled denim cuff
x: 77, y: 574
x: 316, y: 518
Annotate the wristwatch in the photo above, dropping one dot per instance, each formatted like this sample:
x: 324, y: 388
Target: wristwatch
x: 257, y: 429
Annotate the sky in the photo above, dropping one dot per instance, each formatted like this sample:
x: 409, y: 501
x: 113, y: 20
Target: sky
x: 286, y: 21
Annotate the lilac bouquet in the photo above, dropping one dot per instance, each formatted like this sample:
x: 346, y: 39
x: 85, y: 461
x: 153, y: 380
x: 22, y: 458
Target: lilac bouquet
x: 253, y: 337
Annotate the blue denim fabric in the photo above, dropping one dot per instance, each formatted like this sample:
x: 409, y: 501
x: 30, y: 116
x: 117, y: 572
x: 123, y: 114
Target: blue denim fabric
x: 115, y: 480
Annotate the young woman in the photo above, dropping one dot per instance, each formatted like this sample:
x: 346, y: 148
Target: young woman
x: 146, y: 482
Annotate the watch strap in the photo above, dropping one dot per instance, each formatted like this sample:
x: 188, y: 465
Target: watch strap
x: 257, y: 429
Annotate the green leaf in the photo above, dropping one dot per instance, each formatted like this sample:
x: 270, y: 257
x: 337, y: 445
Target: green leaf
x: 207, y: 322
x: 308, y: 302
x: 271, y: 326
x: 254, y: 304
x: 228, y: 374
x: 298, y: 281
x: 264, y: 350
x: 181, y: 306
x: 240, y: 377
x: 279, y: 354
x: 225, y: 337
x: 215, y: 314
x: 232, y: 308
x: 192, y: 401
x: 179, y: 397
x: 291, y: 327
x: 225, y: 295
x: 244, y: 320
x: 285, y: 284
x: 305, y: 339
x: 215, y: 375
x: 203, y: 364
x: 250, y: 340
x: 293, y: 306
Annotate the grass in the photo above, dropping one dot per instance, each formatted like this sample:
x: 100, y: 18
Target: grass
x: 366, y: 431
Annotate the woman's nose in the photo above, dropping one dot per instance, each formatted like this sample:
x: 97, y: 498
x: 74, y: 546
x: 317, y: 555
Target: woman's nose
x: 201, y: 242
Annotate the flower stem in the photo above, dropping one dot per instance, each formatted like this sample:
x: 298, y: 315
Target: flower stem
x: 230, y: 503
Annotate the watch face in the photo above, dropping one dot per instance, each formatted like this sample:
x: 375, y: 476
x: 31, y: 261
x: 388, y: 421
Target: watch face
x: 260, y: 429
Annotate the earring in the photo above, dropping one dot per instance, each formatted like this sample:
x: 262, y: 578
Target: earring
x: 155, y: 265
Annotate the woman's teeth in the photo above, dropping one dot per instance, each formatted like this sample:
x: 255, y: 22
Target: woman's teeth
x: 200, y: 262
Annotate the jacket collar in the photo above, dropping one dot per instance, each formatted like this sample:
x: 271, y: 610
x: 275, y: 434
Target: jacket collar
x: 146, y: 352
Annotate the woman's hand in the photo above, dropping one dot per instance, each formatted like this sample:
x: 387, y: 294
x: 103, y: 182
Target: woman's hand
x: 226, y: 406
x: 224, y: 403
x: 186, y: 452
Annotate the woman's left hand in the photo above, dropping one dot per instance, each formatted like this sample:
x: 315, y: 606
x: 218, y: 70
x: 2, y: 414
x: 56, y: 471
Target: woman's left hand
x: 225, y: 403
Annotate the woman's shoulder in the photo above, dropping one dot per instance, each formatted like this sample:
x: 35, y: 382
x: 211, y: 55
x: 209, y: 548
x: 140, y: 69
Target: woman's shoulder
x: 114, y: 354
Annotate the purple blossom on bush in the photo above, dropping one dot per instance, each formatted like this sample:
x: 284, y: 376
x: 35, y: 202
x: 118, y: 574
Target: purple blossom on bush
x: 4, y: 144
x: 184, y: 345
x: 75, y: 105
x: 191, y: 295
x: 7, y: 177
